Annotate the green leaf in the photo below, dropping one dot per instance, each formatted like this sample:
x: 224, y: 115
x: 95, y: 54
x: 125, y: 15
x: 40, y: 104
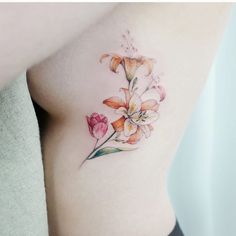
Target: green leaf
x: 134, y: 82
x: 109, y: 150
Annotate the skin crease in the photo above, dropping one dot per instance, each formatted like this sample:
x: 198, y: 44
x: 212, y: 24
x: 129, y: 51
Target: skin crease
x: 124, y: 194
x: 32, y: 32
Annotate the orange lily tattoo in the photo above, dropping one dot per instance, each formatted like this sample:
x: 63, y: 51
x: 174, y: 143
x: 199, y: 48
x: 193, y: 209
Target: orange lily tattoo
x: 136, y: 113
x: 129, y: 64
x: 136, y: 116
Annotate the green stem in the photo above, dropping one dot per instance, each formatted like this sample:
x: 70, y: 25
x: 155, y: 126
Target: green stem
x: 96, y: 148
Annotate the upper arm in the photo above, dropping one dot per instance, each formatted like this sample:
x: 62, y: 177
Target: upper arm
x: 32, y: 32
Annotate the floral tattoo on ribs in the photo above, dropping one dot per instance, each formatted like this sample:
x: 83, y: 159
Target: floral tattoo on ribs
x: 137, y: 109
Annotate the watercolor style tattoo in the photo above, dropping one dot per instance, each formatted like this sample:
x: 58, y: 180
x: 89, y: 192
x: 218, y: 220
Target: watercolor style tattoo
x: 136, y: 112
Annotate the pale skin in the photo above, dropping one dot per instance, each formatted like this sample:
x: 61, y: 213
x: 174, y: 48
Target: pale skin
x: 123, y: 194
x: 32, y: 32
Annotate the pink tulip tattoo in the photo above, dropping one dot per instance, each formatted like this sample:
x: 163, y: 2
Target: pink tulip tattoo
x: 98, y: 125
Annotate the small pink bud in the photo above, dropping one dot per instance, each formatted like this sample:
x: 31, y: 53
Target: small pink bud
x: 98, y: 125
x: 162, y: 92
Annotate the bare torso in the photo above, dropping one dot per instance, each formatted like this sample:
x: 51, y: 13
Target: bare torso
x: 123, y: 193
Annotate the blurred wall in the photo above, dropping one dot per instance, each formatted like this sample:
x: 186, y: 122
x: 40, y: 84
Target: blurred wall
x: 202, y: 180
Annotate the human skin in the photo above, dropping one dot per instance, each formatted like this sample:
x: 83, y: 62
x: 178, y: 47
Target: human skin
x: 124, y: 193
x: 32, y: 32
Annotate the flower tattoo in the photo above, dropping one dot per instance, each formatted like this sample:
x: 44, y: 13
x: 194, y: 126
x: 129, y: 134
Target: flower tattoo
x: 98, y: 125
x: 137, y: 110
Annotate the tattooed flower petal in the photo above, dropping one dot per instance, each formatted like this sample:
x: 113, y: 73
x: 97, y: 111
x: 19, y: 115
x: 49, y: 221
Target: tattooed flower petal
x: 122, y: 111
x: 127, y: 95
x: 114, y: 102
x: 89, y: 125
x: 146, y: 130
x: 114, y: 62
x: 118, y: 125
x: 134, y: 138
x: 148, y: 63
x: 99, y: 130
x: 104, y: 56
x: 134, y: 104
x: 130, y: 65
x: 162, y: 92
x: 150, y: 104
x: 129, y: 128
